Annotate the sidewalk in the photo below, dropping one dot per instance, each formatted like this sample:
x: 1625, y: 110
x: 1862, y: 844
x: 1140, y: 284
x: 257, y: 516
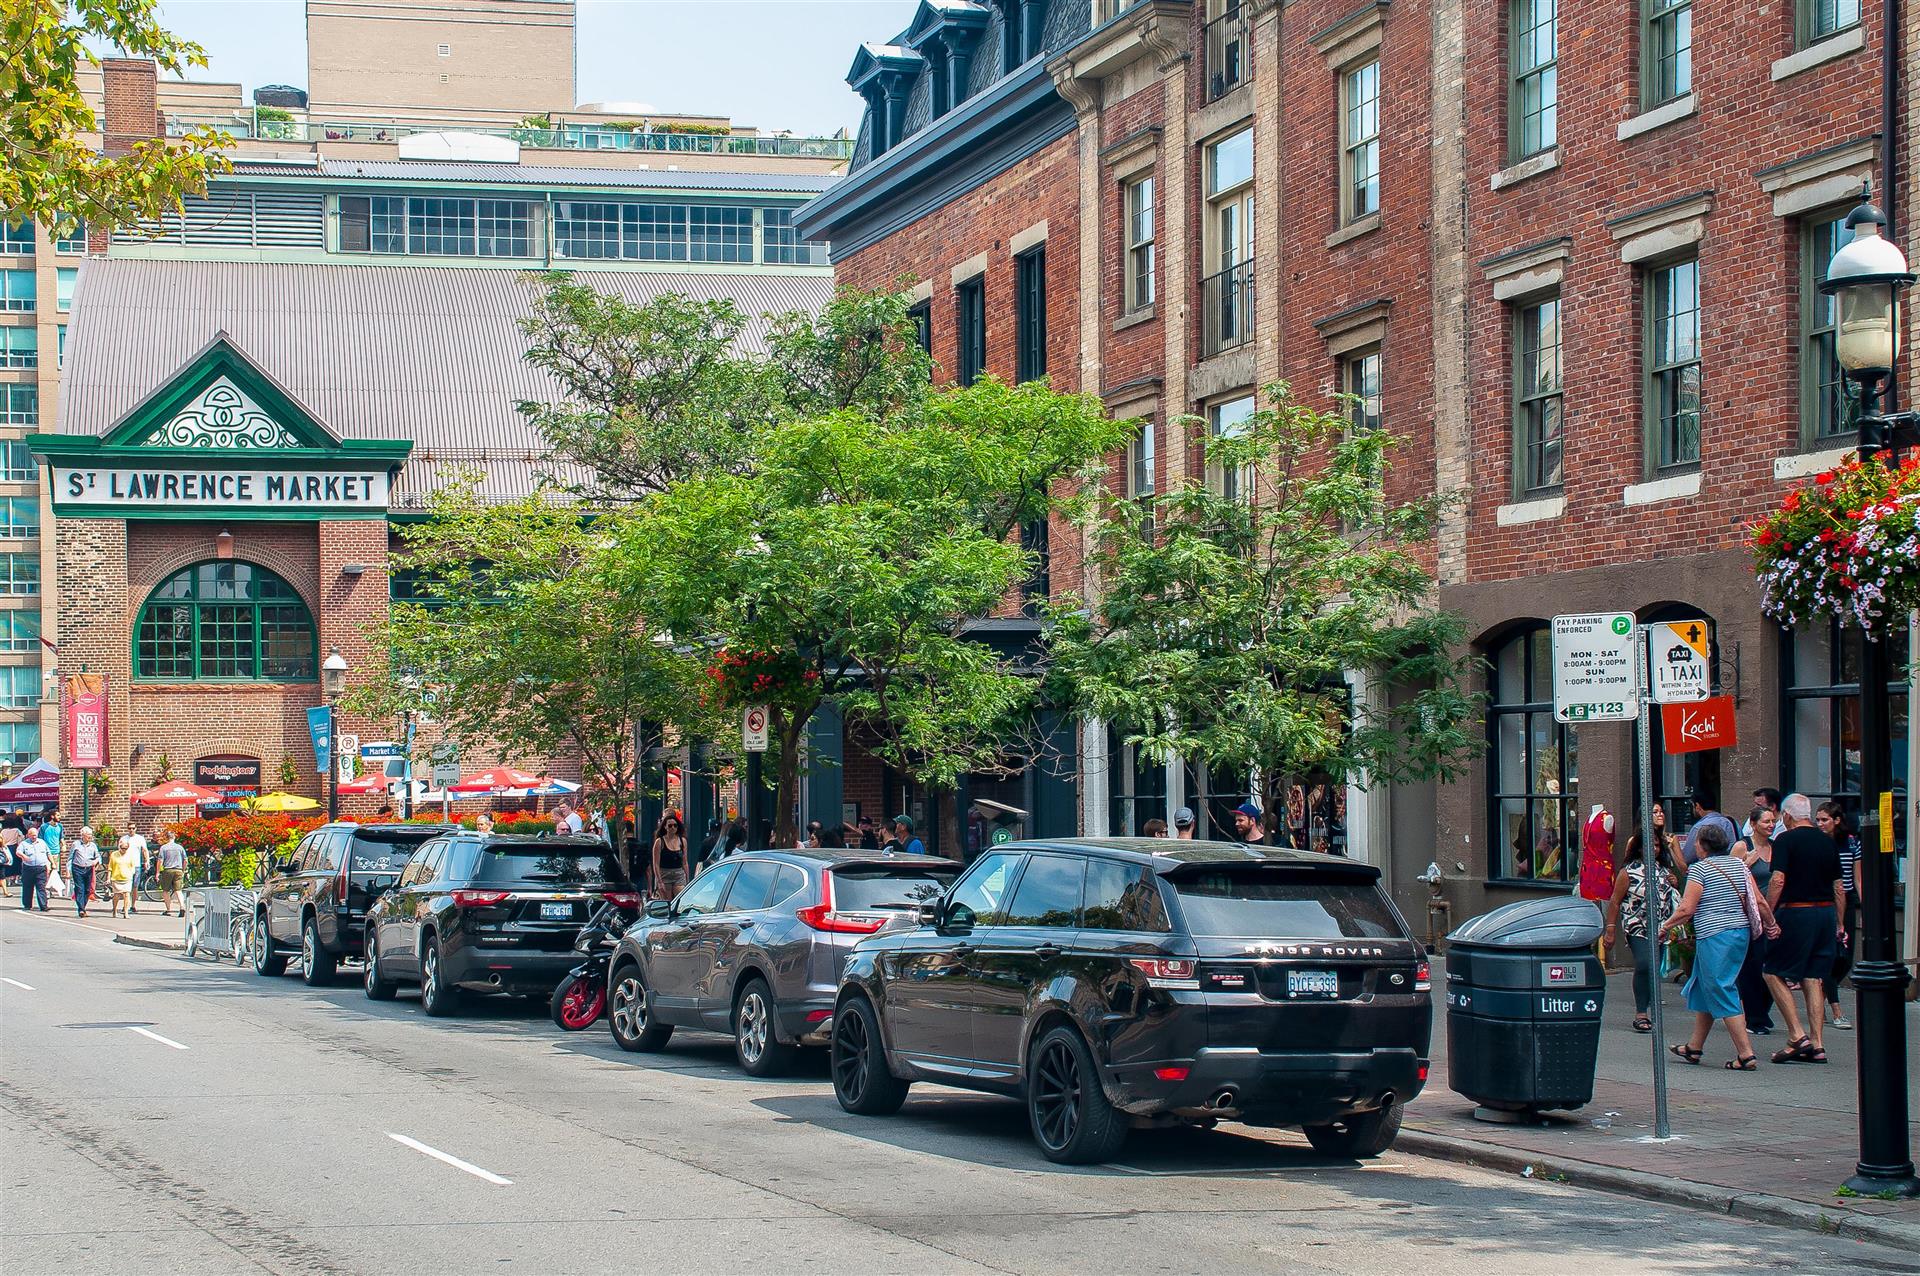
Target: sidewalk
x: 1772, y: 1144
x: 146, y: 929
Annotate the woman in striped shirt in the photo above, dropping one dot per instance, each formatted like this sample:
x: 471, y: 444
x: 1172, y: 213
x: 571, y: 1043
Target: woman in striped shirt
x: 1720, y: 892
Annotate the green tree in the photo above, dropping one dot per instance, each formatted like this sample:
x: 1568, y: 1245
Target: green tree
x: 1223, y: 628
x: 868, y: 544
x: 517, y: 640
x: 48, y: 173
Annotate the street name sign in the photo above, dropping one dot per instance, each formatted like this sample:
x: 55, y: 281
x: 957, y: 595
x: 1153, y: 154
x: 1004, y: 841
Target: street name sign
x: 1595, y: 669
x: 1678, y: 653
x: 381, y: 749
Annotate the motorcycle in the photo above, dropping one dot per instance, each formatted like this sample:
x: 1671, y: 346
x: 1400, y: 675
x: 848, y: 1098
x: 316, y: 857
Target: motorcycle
x: 581, y: 998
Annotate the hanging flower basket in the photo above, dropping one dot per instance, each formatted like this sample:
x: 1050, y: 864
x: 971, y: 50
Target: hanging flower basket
x: 759, y: 677
x: 1846, y: 549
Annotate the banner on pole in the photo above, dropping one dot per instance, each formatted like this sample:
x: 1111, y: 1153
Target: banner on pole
x: 87, y: 721
x: 320, y: 727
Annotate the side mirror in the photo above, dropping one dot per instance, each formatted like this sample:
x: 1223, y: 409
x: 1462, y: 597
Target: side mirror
x: 282, y: 866
x: 958, y: 919
x: 659, y: 909
x: 928, y: 914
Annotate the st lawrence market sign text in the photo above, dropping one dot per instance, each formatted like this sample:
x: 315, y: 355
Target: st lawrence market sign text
x: 135, y: 489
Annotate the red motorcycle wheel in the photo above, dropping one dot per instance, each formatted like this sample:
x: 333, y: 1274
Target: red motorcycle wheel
x: 578, y: 1003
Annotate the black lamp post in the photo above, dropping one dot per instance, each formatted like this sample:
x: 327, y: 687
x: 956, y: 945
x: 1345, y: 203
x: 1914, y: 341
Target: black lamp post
x: 333, y: 684
x: 1866, y: 278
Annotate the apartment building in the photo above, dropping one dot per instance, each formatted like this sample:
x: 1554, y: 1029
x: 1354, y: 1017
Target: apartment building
x: 1563, y: 252
x: 449, y: 59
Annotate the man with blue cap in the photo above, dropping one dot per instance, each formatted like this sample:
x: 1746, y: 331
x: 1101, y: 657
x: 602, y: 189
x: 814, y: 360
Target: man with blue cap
x: 1246, y: 824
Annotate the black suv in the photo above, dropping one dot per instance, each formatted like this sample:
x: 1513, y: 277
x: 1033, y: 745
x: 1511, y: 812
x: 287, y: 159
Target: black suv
x: 489, y: 912
x: 1110, y: 983
x: 315, y: 904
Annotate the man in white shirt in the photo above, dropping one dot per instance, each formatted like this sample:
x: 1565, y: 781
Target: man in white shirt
x: 567, y: 820
x: 137, y: 843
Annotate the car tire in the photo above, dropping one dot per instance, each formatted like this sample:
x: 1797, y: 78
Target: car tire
x: 266, y: 961
x: 437, y: 997
x: 1072, y: 1120
x: 630, y: 1013
x: 1362, y: 1135
x: 862, y: 1081
x: 317, y: 965
x: 377, y: 986
x: 756, y: 1041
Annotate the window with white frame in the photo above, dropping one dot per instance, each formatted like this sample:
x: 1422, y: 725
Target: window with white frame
x: 74, y: 241
x: 19, y: 405
x: 19, y: 517
x: 20, y: 574
x: 1227, y: 288
x: 1360, y: 142
x: 19, y: 686
x: 19, y: 742
x: 16, y: 462
x: 20, y: 347
x: 64, y: 277
x: 18, y: 290
x: 16, y: 238
x: 19, y: 631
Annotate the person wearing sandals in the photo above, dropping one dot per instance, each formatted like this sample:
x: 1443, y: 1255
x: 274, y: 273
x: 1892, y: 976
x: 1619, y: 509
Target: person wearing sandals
x: 1755, y: 850
x: 1627, y: 910
x: 1832, y: 820
x: 1806, y: 898
x: 1723, y: 904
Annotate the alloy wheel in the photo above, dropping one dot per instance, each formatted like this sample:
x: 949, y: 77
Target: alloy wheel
x: 373, y: 968
x: 629, y: 1006
x: 306, y: 949
x: 850, y: 1055
x: 1056, y: 1094
x: 430, y: 975
x: 753, y: 1026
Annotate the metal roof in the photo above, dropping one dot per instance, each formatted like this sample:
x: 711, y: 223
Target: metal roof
x: 553, y: 175
x: 429, y: 353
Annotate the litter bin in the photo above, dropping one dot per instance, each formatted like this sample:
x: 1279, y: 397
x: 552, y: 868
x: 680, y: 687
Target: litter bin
x: 1524, y: 996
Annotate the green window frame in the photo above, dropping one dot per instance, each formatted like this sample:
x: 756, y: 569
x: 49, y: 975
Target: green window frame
x: 1533, y: 766
x: 1539, y: 438
x: 1030, y: 315
x: 1827, y: 410
x: 1533, y: 46
x: 1360, y: 142
x: 970, y: 318
x: 224, y: 621
x: 1815, y: 20
x: 1670, y: 388
x: 1666, y: 51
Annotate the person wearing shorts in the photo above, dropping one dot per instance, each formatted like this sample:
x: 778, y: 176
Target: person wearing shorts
x: 171, y: 865
x: 1805, y: 894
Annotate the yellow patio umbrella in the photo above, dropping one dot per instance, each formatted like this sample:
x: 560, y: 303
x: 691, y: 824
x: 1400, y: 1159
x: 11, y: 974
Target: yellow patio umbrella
x: 281, y: 802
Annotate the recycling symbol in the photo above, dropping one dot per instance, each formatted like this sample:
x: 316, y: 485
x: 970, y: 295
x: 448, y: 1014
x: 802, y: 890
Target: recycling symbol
x: 1592, y: 1005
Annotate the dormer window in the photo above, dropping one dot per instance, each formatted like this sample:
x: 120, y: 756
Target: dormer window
x: 945, y: 33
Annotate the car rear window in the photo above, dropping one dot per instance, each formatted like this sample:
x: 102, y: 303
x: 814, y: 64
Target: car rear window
x: 382, y: 855
x: 902, y: 886
x: 565, y: 865
x: 1257, y: 903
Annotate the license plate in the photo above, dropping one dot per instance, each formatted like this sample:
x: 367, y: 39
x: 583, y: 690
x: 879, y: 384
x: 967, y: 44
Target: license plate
x: 1313, y: 983
x: 556, y: 912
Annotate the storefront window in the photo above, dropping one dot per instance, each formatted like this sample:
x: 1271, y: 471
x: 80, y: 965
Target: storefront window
x: 1820, y: 723
x: 1532, y: 766
x: 224, y: 621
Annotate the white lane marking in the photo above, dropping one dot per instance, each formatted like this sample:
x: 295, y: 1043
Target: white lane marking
x: 454, y: 1161
x: 16, y: 983
x: 165, y: 1041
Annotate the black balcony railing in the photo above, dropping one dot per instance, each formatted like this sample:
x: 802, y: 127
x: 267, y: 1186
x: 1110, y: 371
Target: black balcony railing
x: 1226, y: 303
x: 1226, y: 65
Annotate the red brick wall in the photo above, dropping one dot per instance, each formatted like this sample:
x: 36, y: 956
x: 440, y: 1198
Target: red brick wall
x: 1749, y: 275
x: 130, y: 89
x: 1139, y: 349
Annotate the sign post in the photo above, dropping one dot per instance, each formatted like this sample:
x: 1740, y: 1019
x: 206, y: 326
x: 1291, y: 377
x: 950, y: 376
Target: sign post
x: 1650, y: 874
x: 753, y: 741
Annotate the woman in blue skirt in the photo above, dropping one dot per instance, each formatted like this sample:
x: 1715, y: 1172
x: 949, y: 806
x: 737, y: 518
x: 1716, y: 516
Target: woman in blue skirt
x: 1719, y: 899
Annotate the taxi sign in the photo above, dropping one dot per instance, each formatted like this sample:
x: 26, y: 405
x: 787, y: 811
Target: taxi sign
x: 1595, y: 672
x: 1679, y: 654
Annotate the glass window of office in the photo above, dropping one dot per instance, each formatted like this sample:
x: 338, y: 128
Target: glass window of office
x: 19, y: 405
x: 19, y: 517
x: 16, y: 238
x: 19, y: 686
x: 18, y: 290
x: 20, y: 347
x: 64, y: 278
x: 19, y: 743
x: 20, y: 574
x: 19, y: 631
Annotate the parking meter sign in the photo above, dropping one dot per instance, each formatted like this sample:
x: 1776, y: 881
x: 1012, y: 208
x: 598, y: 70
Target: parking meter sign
x: 1595, y: 668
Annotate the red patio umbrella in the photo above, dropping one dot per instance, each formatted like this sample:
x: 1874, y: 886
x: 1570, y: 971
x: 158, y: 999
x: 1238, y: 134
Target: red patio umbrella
x: 364, y: 785
x: 496, y: 780
x: 175, y: 793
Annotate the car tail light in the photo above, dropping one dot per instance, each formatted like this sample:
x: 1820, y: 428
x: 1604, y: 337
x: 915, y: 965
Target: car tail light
x: 1166, y: 972
x: 479, y: 899
x: 1170, y: 1074
x: 819, y: 1016
x: 622, y: 899
x: 1423, y: 977
x: 1424, y: 1067
x: 822, y: 917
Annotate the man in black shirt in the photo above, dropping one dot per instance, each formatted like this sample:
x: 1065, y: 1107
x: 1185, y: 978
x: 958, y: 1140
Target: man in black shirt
x: 1805, y: 895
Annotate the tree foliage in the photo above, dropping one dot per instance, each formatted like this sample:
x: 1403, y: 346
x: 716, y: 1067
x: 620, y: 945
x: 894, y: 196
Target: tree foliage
x: 48, y: 172
x: 1224, y: 628
x: 519, y: 642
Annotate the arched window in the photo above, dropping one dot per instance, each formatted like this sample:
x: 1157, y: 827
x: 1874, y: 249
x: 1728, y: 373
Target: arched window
x: 1533, y: 765
x: 224, y: 622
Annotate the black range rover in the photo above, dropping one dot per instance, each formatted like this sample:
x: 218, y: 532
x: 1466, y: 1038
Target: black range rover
x: 1110, y: 983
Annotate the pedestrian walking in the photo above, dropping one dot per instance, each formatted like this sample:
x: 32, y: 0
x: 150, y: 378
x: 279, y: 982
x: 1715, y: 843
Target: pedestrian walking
x: 13, y: 827
x: 1155, y: 827
x: 135, y: 842
x: 1726, y: 910
x: 668, y: 857
x: 1627, y: 914
x: 566, y: 820
x: 1706, y: 814
x: 869, y: 835
x: 1805, y: 896
x: 1183, y: 824
x: 903, y: 833
x: 1831, y: 819
x: 35, y: 864
x: 53, y: 834
x: 83, y: 861
x: 121, y: 867
x: 171, y: 863
x: 1755, y: 850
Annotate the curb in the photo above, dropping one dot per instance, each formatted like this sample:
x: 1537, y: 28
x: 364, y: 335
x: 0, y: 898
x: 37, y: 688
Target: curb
x: 164, y: 945
x: 1778, y: 1210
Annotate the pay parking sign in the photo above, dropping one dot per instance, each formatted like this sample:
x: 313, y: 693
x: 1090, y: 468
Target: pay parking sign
x: 1594, y: 675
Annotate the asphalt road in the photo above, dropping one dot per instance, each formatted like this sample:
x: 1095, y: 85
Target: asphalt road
x: 167, y: 1115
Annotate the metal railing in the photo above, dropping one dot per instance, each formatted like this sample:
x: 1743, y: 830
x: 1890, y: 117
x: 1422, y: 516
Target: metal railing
x: 1226, y: 306
x: 1227, y: 39
x: 563, y: 135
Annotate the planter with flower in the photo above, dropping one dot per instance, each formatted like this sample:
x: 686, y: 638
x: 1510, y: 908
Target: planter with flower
x: 1845, y: 549
x: 742, y: 678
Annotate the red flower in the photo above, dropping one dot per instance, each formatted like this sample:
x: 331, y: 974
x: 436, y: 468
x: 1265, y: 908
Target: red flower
x: 1824, y: 477
x: 1792, y: 502
x: 1767, y: 536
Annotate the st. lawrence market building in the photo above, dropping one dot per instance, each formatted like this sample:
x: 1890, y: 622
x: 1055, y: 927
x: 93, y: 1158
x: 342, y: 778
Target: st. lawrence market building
x: 238, y: 444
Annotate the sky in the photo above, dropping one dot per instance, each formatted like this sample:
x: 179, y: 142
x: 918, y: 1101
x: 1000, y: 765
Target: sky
x: 772, y: 64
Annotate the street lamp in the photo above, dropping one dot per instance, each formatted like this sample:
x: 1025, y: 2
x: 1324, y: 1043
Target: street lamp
x: 1865, y: 279
x: 333, y: 684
